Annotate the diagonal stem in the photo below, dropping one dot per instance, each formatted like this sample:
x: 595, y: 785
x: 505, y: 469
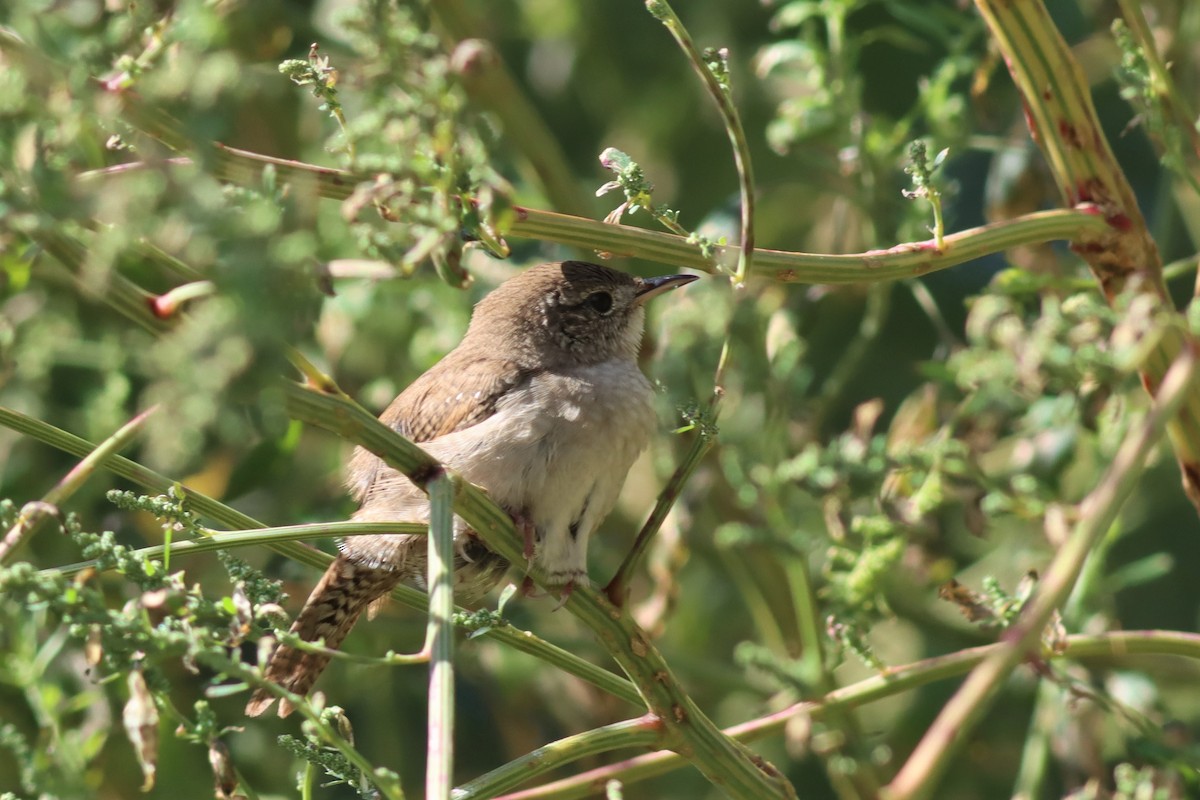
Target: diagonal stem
x: 722, y: 760
x: 919, y: 775
x: 33, y: 515
x: 520, y: 640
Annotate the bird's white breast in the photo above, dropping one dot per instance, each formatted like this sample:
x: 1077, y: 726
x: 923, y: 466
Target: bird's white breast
x: 558, y: 450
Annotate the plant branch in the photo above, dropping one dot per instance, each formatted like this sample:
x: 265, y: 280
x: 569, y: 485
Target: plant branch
x: 919, y: 775
x: 907, y: 260
x: 641, y: 732
x: 1064, y: 124
x: 617, y: 589
x: 439, y: 762
x: 229, y: 540
x: 1111, y: 646
x: 722, y: 760
x: 523, y: 641
x: 713, y: 70
x: 33, y: 514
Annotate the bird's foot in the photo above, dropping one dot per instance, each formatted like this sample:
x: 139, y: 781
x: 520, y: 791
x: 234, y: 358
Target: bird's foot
x: 564, y: 595
x: 529, y: 589
x: 528, y: 531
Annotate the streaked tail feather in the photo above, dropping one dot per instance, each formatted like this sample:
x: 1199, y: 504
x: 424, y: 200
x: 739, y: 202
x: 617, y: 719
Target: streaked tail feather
x: 344, y: 591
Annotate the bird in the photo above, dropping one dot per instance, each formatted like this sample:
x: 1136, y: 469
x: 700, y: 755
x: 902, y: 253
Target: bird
x: 542, y: 404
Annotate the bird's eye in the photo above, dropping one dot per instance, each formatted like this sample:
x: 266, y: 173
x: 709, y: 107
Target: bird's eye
x: 600, y: 302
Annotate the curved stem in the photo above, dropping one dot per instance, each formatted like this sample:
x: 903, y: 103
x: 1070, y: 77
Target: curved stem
x: 907, y: 260
x: 718, y: 89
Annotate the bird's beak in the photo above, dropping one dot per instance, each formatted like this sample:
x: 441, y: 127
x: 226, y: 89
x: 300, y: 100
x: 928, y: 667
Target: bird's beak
x: 652, y: 287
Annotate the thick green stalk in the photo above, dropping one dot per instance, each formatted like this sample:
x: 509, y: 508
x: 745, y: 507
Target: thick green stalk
x: 722, y: 760
x: 439, y: 763
x: 1062, y: 119
x: 908, y: 260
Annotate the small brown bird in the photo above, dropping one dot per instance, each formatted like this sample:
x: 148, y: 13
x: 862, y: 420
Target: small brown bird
x: 542, y: 404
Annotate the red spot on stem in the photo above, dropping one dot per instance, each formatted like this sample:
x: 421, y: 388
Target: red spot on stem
x: 1068, y: 132
x: 1120, y: 221
x: 160, y: 307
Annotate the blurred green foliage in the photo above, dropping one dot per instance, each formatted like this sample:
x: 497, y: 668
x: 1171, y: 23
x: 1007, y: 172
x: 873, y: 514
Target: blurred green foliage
x: 876, y: 441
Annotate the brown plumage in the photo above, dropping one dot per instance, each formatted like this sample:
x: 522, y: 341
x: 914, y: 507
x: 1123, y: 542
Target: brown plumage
x: 541, y: 404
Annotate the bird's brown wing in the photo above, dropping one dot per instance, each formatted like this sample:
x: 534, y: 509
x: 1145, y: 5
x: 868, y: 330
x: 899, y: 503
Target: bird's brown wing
x: 458, y: 392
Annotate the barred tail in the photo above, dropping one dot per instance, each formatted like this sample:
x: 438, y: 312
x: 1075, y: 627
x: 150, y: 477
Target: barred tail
x: 345, y: 590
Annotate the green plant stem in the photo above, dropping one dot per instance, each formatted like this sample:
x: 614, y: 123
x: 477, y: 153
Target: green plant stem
x: 307, y: 781
x: 1065, y: 126
x: 1035, y: 753
x: 521, y: 640
x: 640, y: 732
x: 723, y: 761
x: 902, y: 261
x: 389, y: 659
x: 439, y: 762
x: 1112, y: 647
x: 34, y: 513
x: 920, y: 773
x: 732, y: 122
x: 617, y: 589
x: 228, y: 540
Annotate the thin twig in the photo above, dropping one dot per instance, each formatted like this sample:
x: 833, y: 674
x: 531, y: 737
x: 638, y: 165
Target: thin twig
x: 617, y: 589
x: 34, y: 513
x: 718, y: 88
x: 228, y: 540
x: 641, y: 732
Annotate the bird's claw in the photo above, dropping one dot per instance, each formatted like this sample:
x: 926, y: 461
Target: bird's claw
x: 528, y: 531
x: 528, y: 589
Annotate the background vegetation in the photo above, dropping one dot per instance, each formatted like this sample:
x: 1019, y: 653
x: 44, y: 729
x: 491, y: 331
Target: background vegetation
x: 890, y: 471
